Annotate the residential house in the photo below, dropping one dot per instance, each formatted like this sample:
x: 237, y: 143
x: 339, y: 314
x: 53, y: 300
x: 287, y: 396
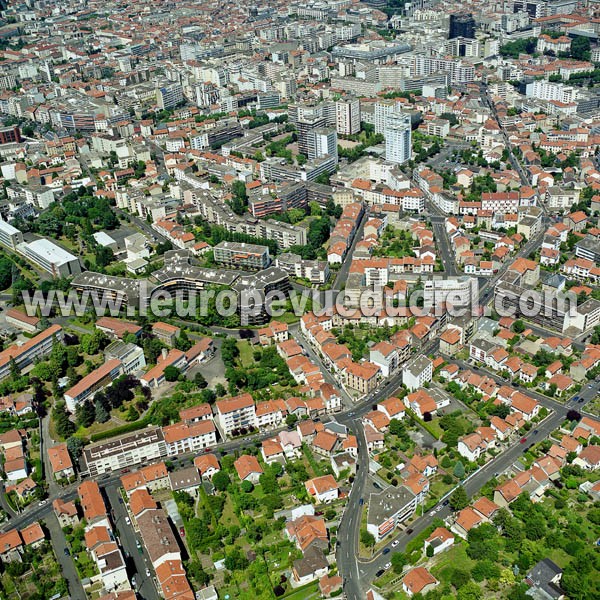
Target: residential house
x: 248, y: 468
x: 418, y: 581
x: 324, y: 489
x: 440, y: 539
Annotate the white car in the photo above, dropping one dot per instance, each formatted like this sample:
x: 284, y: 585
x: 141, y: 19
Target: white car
x: 395, y: 543
x: 128, y: 520
x: 147, y: 572
x: 387, y: 566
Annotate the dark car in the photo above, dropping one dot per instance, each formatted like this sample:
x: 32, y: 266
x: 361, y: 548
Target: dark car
x: 386, y: 551
x: 361, y: 501
x: 409, y: 531
x: 380, y: 573
x: 445, y: 502
x: 66, y: 551
x: 536, y: 431
x: 376, y: 485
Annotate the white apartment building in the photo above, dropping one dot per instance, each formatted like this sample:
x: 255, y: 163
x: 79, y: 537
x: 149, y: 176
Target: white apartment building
x: 548, y: 90
x: 181, y: 438
x: 130, y: 449
x: 397, y: 133
x: 10, y: 236
x: 347, y: 116
x: 417, y: 372
x: 235, y: 413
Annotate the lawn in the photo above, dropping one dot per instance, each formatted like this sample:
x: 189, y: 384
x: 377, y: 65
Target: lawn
x: 246, y: 354
x: 304, y: 593
x: 455, y: 558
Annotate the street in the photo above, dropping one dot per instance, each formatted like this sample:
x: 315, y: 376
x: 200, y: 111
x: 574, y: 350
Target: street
x: 59, y: 543
x: 127, y: 539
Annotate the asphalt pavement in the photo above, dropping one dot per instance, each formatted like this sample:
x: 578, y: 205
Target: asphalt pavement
x: 137, y: 561
x: 342, y: 274
x: 59, y: 543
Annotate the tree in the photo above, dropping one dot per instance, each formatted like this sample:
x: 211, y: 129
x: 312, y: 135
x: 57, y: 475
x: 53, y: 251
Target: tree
x: 459, y: 498
x: 85, y: 414
x: 221, y: 481
x: 239, y: 202
x: 172, y: 373
x: 580, y: 48
x: 75, y: 447
x: 398, y: 561
x: 429, y: 551
x: 247, y: 487
x: 183, y: 342
x: 102, y: 415
x: 367, y: 539
x: 92, y: 343
x: 291, y: 420
x: 535, y: 528
x: 518, y: 326
x: 229, y: 351
x: 485, y: 569
x: 200, y: 380
x: 459, y: 578
x: 470, y: 591
x: 64, y: 426
x: 459, y: 470
x: 235, y: 560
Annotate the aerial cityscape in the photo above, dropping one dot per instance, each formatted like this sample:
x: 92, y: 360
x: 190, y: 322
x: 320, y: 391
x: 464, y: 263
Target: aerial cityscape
x: 300, y: 300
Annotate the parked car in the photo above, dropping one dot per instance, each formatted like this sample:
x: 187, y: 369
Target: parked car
x: 380, y: 573
x: 147, y: 572
x: 386, y: 550
x: 387, y: 566
x: 128, y: 520
x: 395, y: 543
x: 523, y: 440
x: 66, y: 551
x: 42, y: 502
x: 409, y: 531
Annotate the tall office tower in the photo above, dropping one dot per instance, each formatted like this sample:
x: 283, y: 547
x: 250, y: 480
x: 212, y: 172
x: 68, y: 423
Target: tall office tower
x: 462, y: 25
x: 347, y: 113
x: 397, y: 134
x: 322, y: 142
x: 305, y: 127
